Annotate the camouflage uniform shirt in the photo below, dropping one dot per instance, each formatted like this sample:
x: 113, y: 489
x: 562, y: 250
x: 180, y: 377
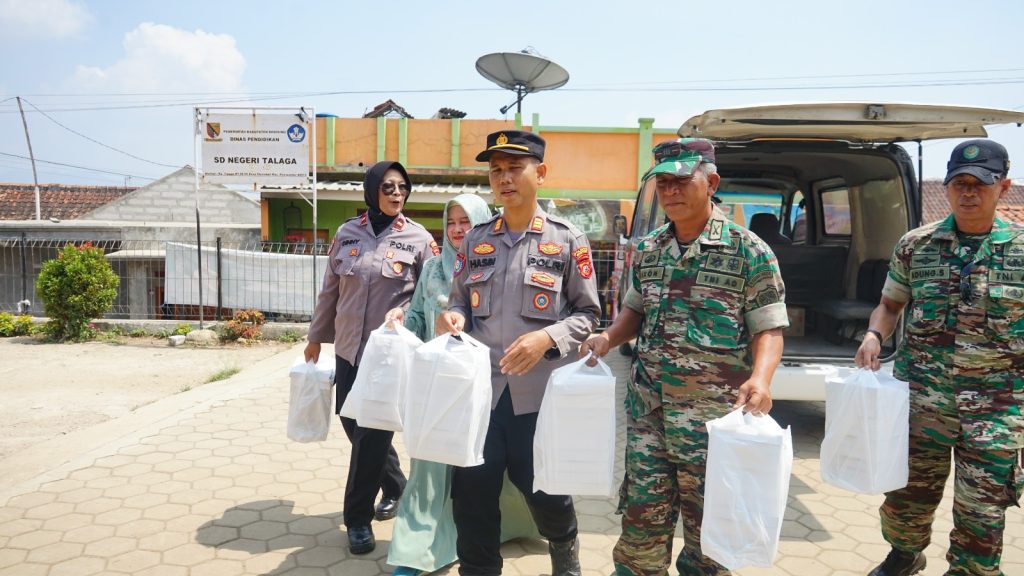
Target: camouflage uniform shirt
x: 700, y: 309
x: 966, y: 353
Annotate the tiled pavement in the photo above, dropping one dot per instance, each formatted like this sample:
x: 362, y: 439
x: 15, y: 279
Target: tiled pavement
x: 205, y: 482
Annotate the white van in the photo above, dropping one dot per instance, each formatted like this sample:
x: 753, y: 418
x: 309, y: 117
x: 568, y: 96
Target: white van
x: 831, y: 192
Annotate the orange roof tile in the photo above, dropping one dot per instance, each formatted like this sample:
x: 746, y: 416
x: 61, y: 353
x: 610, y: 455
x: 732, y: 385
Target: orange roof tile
x: 63, y: 201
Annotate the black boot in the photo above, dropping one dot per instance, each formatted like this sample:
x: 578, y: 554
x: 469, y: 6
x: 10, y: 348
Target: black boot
x: 565, y: 558
x: 899, y: 563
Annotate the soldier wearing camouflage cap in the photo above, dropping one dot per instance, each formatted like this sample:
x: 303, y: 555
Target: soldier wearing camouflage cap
x: 705, y: 301
x: 962, y: 281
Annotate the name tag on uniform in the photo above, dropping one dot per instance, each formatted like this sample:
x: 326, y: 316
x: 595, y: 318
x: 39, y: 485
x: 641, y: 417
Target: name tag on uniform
x: 938, y: 273
x: 651, y: 274
x: 723, y: 281
x: 1006, y: 276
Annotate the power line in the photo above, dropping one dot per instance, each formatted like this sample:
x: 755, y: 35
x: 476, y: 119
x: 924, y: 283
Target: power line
x: 94, y: 141
x: 76, y: 166
x: 750, y: 79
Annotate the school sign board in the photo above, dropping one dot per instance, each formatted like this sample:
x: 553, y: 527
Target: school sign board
x: 255, y: 148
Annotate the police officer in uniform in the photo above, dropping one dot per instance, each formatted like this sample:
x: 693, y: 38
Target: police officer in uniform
x: 961, y: 280
x: 706, y: 301
x: 373, y: 264
x: 524, y: 286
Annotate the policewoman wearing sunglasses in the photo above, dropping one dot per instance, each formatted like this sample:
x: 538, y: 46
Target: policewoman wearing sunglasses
x: 374, y: 262
x: 960, y: 284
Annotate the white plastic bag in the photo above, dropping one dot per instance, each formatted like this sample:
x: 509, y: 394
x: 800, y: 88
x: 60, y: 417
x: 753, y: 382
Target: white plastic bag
x: 745, y: 489
x: 574, y: 445
x: 377, y: 397
x: 448, y: 406
x: 310, y: 398
x: 865, y: 448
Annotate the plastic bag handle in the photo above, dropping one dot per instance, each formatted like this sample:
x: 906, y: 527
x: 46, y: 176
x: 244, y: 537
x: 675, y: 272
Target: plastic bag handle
x: 581, y: 366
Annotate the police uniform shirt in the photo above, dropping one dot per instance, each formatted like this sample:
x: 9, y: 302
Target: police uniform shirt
x: 505, y: 288
x: 959, y: 354
x: 366, y: 276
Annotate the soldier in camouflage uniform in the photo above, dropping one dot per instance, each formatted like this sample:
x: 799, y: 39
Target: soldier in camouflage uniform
x: 963, y: 354
x: 706, y: 301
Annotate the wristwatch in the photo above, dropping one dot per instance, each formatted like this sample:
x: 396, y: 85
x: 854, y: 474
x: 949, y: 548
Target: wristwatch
x: 877, y: 334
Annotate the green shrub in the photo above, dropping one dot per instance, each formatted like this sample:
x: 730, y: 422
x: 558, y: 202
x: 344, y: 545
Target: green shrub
x: 138, y: 333
x: 76, y: 287
x: 182, y: 329
x: 11, y: 325
x: 290, y: 337
x: 245, y: 324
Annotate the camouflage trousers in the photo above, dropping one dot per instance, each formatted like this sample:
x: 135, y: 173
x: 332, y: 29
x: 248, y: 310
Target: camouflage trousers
x: 986, y: 482
x: 657, y: 489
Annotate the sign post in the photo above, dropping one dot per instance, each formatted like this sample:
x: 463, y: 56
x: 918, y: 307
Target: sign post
x: 256, y: 147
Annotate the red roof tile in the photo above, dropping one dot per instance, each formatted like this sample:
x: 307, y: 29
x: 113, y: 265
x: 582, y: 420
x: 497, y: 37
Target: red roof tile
x: 934, y: 205
x: 63, y: 201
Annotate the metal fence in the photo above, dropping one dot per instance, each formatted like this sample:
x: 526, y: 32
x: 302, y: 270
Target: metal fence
x: 168, y: 280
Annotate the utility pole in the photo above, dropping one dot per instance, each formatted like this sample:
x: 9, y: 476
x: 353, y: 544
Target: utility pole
x: 35, y: 177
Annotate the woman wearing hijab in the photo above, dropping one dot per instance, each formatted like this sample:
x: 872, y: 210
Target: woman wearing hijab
x: 423, y: 539
x: 374, y: 262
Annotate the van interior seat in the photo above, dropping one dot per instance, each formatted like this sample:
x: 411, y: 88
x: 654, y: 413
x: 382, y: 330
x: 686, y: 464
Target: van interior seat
x: 766, y: 226
x: 812, y: 274
x: 870, y: 279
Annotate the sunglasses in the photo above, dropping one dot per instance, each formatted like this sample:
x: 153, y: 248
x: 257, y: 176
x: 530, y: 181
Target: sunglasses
x: 389, y: 188
x: 667, y: 150
x: 966, y: 290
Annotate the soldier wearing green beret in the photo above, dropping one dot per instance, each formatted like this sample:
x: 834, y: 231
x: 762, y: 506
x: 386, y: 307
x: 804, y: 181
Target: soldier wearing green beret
x: 961, y: 280
x: 705, y: 301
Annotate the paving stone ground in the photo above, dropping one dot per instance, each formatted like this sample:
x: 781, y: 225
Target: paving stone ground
x: 207, y: 483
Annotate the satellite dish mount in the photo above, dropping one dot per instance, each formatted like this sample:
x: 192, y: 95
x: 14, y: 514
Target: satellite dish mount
x: 522, y: 72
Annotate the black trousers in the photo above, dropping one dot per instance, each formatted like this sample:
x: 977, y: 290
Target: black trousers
x: 373, y: 465
x: 475, y: 493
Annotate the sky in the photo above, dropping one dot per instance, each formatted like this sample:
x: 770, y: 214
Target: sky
x: 108, y: 87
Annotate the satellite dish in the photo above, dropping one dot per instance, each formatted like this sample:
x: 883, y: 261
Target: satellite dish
x: 522, y: 72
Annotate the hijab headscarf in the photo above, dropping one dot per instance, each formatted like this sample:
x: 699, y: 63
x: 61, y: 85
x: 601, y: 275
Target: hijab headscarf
x: 478, y: 213
x: 371, y: 193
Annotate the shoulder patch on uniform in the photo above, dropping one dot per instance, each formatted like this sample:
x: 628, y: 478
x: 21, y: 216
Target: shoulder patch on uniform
x: 353, y: 252
x: 583, y: 263
x: 362, y: 219
x: 537, y: 225
x: 1014, y: 249
x: 498, y: 224
x: 483, y: 248
x: 460, y: 263
x: 769, y: 295
x: 399, y: 224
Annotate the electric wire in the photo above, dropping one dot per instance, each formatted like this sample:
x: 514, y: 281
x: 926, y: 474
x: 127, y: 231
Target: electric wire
x: 94, y: 141
x: 77, y: 166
